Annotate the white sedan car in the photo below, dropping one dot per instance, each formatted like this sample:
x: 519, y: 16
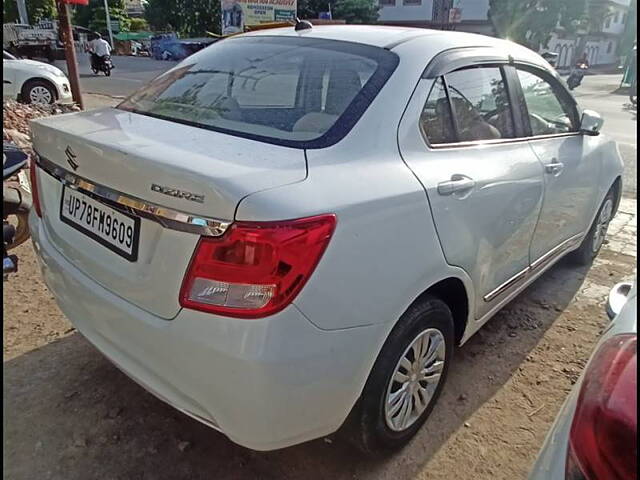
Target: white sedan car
x: 33, y: 82
x: 289, y: 227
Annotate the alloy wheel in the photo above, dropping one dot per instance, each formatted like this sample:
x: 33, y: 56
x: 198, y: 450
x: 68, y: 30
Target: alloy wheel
x: 40, y: 94
x: 415, y: 379
x: 602, y: 225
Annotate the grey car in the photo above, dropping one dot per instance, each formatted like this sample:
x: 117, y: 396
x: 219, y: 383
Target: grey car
x: 595, y: 434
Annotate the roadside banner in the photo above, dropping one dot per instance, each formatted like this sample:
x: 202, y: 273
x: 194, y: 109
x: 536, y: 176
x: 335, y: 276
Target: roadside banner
x: 238, y: 14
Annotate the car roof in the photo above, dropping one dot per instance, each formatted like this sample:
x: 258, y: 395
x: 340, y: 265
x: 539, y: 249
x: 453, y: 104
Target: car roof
x: 376, y: 35
x: 389, y: 37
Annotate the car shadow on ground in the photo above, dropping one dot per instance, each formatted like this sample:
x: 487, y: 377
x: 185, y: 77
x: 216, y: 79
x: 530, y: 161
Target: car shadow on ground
x: 85, y: 419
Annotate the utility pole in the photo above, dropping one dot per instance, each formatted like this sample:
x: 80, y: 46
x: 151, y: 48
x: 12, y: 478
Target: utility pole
x: 64, y: 25
x: 22, y: 11
x: 106, y: 10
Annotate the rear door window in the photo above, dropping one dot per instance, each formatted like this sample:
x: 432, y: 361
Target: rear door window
x: 480, y: 104
x: 468, y: 105
x: 293, y: 91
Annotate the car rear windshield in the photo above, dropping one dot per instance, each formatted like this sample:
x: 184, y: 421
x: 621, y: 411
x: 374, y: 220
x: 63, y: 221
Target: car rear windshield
x: 298, y: 92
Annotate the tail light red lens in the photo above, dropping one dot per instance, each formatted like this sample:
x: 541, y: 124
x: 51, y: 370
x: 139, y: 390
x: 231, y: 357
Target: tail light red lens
x: 35, y: 195
x: 603, y: 439
x: 256, y: 268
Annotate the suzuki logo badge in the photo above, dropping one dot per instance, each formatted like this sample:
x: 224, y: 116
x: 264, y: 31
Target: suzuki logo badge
x: 71, y: 158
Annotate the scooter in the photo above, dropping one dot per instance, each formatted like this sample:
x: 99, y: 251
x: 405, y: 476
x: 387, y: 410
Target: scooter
x: 103, y: 64
x: 575, y: 79
x: 16, y: 203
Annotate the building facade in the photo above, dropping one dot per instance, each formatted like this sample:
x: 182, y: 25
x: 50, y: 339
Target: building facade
x: 463, y: 15
x: 600, y: 45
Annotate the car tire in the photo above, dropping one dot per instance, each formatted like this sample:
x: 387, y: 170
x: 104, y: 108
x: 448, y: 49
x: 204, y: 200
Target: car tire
x: 594, y: 239
x: 374, y: 429
x: 38, y: 89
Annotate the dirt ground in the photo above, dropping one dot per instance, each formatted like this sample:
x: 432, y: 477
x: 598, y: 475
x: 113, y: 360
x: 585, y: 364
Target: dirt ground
x: 69, y: 414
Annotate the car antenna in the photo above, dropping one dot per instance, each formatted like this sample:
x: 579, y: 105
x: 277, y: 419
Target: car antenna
x: 302, y: 25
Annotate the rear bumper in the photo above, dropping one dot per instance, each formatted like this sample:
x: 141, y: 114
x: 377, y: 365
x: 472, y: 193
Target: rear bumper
x: 266, y: 384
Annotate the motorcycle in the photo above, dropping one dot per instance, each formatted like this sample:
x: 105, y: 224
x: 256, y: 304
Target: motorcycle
x: 16, y: 203
x: 575, y: 79
x: 103, y: 64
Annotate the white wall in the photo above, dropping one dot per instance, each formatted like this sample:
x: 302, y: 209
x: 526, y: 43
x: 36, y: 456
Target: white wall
x: 473, y: 9
x: 565, y: 48
x: 401, y: 12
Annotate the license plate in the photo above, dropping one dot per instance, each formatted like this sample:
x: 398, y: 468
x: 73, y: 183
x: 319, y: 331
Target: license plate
x: 111, y: 228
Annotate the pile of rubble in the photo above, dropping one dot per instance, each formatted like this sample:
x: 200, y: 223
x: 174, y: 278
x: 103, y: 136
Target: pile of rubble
x: 16, y: 117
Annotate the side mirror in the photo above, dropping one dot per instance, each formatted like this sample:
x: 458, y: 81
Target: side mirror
x: 617, y: 298
x: 591, y: 122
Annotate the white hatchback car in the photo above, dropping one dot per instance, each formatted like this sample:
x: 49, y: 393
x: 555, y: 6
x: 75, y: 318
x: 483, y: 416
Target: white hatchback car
x: 291, y: 227
x: 33, y: 82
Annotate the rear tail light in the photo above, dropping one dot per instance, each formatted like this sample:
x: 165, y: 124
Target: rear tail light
x: 35, y: 194
x: 256, y: 268
x: 603, y: 438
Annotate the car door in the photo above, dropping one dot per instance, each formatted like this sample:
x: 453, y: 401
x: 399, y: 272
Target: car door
x: 571, y: 167
x: 460, y: 137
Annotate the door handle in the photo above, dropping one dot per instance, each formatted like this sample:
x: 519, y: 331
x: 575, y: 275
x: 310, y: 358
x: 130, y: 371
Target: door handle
x: 554, y: 168
x: 458, y: 183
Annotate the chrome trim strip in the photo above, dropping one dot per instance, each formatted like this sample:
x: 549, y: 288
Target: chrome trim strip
x: 556, y: 250
x: 497, y: 141
x: 550, y: 255
x: 501, y: 288
x: 168, y: 218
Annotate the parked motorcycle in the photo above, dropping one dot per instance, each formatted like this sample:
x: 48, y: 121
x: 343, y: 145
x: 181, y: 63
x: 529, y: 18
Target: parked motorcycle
x: 103, y: 64
x: 578, y: 73
x: 16, y: 203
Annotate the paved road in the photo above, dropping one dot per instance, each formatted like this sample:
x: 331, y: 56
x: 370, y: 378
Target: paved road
x: 128, y: 76
x: 597, y: 92
x: 601, y: 93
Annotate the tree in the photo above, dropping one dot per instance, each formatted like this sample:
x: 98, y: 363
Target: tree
x: 353, y: 11
x: 138, y: 25
x: 186, y: 17
x: 630, y: 34
x: 356, y: 11
x: 531, y: 22
x: 36, y: 10
x: 93, y: 16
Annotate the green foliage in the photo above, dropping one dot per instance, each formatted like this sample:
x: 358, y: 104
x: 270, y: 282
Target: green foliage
x: 138, y: 25
x: 189, y: 18
x: 531, y: 22
x: 630, y: 33
x: 93, y: 16
x: 353, y: 11
x: 597, y: 12
x: 312, y: 8
x: 196, y: 17
x: 36, y: 10
x: 356, y: 11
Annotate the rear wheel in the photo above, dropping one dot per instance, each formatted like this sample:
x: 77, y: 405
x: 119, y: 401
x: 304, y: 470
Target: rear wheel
x: 592, y: 242
x: 406, y: 379
x: 38, y: 91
